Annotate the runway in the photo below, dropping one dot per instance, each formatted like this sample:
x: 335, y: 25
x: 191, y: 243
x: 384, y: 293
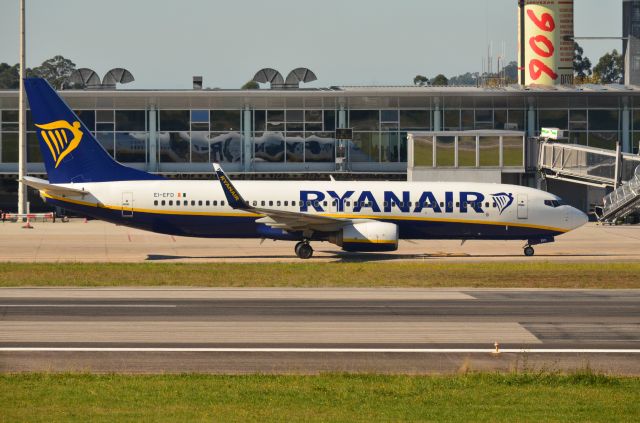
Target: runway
x: 314, y: 330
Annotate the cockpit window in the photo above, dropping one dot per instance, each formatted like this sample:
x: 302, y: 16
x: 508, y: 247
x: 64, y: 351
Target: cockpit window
x: 554, y: 203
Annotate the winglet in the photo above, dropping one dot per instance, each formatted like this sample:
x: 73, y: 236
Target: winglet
x: 233, y: 196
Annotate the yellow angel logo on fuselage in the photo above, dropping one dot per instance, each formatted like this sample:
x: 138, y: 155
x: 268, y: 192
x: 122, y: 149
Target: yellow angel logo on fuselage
x: 56, y: 136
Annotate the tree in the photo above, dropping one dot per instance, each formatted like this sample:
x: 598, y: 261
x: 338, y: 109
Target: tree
x: 251, y: 85
x: 465, y: 79
x: 9, y: 76
x: 420, y: 80
x: 581, y: 63
x: 610, y: 69
x: 56, y: 70
x: 440, y: 80
x: 511, y: 72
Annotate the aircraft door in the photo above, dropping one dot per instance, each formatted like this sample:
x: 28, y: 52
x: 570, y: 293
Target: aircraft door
x: 523, y: 206
x: 127, y: 204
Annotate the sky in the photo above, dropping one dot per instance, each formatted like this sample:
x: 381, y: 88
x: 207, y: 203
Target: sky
x: 345, y: 42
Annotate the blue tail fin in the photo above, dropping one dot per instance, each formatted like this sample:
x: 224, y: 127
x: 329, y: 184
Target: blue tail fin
x: 69, y: 150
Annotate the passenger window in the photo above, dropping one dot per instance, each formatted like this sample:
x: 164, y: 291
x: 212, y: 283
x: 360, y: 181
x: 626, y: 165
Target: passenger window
x: 325, y: 204
x: 177, y: 202
x: 348, y: 203
x: 255, y: 203
x: 286, y: 203
x: 334, y: 203
x: 207, y: 203
x: 163, y: 203
x: 441, y: 204
x: 270, y: 203
x: 193, y: 202
x: 222, y: 203
x: 155, y: 203
x: 457, y: 204
x: 278, y: 203
x: 215, y: 202
x: 171, y: 202
x: 263, y: 204
x: 486, y: 204
x: 199, y: 202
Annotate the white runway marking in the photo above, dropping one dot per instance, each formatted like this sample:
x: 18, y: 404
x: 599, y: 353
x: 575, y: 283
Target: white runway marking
x: 326, y: 350
x: 92, y: 305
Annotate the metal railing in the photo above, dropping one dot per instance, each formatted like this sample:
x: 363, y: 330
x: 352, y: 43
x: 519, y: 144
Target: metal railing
x: 16, y: 217
x: 622, y: 202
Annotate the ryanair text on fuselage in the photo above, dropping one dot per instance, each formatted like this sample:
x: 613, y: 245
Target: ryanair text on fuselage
x: 464, y: 201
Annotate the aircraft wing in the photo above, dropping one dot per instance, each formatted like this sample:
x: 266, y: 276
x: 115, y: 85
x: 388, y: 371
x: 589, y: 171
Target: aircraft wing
x: 43, y: 185
x: 287, y: 220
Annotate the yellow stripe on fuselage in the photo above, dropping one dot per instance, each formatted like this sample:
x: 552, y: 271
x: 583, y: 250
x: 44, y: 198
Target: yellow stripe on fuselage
x: 368, y: 241
x: 337, y: 216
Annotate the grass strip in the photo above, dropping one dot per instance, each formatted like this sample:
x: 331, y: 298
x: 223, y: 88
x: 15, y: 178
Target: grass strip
x: 326, y: 398
x: 403, y: 274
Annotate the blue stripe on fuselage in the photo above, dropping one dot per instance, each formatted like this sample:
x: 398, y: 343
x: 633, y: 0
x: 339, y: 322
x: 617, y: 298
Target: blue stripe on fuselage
x: 208, y: 226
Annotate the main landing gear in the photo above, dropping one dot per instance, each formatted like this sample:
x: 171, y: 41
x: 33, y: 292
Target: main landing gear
x: 529, y: 251
x: 303, y: 250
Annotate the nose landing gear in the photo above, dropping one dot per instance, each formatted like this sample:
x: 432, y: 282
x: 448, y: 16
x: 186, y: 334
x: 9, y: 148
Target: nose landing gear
x: 303, y: 250
x: 528, y: 248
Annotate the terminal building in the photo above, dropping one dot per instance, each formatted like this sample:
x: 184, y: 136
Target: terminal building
x: 291, y: 133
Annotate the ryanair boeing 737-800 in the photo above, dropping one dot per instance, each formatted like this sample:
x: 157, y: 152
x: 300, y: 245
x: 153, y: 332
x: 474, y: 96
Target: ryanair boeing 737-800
x: 357, y: 216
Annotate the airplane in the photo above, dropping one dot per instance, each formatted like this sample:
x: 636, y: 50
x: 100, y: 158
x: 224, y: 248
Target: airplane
x: 358, y: 216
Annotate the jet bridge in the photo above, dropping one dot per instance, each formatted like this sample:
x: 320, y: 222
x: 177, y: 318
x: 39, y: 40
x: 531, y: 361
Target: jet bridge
x: 586, y: 165
x: 596, y: 167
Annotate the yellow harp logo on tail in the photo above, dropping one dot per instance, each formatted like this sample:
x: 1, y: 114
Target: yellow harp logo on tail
x: 61, y: 137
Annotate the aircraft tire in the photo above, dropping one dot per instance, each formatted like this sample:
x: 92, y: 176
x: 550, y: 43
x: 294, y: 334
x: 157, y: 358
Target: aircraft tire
x: 304, y: 251
x: 529, y: 251
x: 297, y: 248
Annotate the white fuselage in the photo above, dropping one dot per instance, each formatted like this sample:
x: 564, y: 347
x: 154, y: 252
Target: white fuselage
x: 421, y: 205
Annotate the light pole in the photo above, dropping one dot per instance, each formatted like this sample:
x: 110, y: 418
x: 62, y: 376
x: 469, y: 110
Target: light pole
x: 22, y: 147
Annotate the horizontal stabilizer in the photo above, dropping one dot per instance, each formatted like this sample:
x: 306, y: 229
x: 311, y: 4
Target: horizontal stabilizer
x: 43, y: 185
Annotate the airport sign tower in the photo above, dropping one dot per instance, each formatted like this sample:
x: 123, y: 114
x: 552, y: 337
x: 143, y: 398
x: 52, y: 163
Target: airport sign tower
x: 546, y: 43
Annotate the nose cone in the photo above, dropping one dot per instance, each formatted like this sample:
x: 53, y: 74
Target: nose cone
x: 577, y: 218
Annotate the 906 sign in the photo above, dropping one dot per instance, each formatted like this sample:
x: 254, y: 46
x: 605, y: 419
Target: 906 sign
x: 546, y: 41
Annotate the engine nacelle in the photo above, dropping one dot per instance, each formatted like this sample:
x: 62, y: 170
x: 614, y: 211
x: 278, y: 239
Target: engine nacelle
x: 367, y: 236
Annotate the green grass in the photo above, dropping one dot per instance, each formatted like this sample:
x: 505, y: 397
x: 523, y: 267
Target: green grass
x: 392, y: 274
x: 354, y: 398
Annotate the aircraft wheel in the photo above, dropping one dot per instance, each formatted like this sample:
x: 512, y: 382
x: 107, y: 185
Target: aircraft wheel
x: 297, y: 248
x: 304, y: 251
x: 529, y: 251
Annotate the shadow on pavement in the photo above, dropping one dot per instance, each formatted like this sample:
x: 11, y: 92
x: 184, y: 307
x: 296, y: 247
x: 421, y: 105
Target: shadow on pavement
x: 345, y: 257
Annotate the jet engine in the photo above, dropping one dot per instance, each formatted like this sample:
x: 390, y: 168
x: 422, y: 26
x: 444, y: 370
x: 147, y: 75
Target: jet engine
x: 367, y: 236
